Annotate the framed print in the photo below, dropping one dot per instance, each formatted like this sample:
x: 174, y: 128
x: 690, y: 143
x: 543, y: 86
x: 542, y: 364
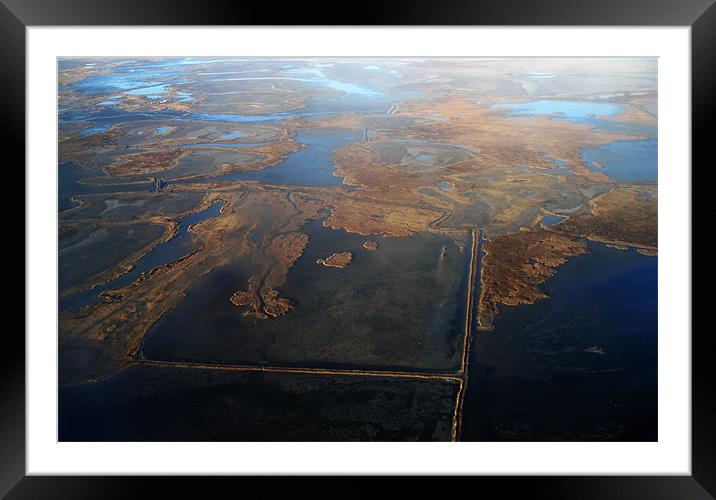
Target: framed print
x: 447, y: 242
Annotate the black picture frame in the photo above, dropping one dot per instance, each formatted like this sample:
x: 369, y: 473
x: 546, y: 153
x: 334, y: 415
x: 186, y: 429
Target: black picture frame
x: 16, y: 15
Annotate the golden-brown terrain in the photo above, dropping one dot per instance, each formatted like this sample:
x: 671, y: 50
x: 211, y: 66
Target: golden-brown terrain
x: 339, y: 260
x: 626, y: 215
x: 516, y: 264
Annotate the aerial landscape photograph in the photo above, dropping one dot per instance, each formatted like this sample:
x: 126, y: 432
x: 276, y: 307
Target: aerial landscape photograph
x: 357, y: 249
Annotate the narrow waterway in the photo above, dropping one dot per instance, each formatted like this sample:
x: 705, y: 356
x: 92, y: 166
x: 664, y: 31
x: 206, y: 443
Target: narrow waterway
x: 174, y: 248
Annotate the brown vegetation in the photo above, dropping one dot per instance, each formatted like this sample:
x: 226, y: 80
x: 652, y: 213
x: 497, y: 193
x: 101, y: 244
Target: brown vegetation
x: 339, y: 260
x: 515, y: 264
x: 146, y: 162
x: 626, y: 215
x: 371, y: 246
x: 261, y: 298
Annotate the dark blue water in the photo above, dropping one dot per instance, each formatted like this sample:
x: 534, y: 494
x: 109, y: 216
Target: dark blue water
x: 164, y: 253
x: 374, y: 313
x: 625, y: 161
x: 69, y: 185
x: 581, y: 365
x: 312, y: 165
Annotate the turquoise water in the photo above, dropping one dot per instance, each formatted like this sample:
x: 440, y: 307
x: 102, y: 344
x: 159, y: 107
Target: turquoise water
x: 445, y: 185
x: 176, y: 247
x: 625, y: 161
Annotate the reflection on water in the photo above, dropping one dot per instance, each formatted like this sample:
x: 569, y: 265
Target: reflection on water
x: 69, y: 185
x: 568, y: 110
x: 581, y: 112
x: 311, y: 165
x: 552, y: 220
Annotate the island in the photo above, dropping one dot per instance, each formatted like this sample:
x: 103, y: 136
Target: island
x: 339, y: 260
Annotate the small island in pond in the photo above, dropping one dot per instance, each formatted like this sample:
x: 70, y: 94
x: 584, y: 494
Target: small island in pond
x: 371, y: 246
x: 339, y: 260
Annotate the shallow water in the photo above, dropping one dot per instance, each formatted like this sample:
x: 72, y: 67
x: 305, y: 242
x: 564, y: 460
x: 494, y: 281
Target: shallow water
x: 69, y: 185
x: 552, y: 220
x: 373, y: 313
x: 581, y: 112
x: 625, y: 161
x: 311, y: 165
x: 164, y: 253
